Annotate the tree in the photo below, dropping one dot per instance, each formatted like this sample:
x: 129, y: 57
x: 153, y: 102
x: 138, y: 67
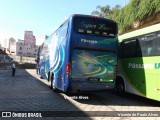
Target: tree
x: 137, y: 12
x: 102, y: 11
x: 114, y: 12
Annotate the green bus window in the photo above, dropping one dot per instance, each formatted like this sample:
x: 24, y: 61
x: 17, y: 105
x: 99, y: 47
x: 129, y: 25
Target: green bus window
x: 127, y: 49
x: 157, y: 44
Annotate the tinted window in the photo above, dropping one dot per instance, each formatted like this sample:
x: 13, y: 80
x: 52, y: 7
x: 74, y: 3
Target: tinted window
x: 127, y: 48
x: 62, y: 31
x: 94, y: 26
x: 157, y: 44
x: 146, y: 45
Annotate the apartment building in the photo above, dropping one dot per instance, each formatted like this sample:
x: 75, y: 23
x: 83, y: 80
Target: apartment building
x: 29, y: 44
x: 19, y: 47
x: 12, y: 46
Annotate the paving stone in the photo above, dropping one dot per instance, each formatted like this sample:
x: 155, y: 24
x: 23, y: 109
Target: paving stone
x: 26, y: 92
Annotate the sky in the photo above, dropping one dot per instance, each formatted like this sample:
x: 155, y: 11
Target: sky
x: 42, y: 16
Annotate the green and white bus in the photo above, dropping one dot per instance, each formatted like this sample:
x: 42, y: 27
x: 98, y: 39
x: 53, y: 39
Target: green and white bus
x: 139, y: 63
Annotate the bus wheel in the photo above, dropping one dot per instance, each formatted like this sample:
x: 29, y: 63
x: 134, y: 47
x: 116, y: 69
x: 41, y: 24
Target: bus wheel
x: 120, y: 88
x: 51, y: 84
x: 39, y: 71
x: 48, y: 76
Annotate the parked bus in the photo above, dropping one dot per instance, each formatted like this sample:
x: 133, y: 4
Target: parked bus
x: 139, y: 62
x: 81, y: 55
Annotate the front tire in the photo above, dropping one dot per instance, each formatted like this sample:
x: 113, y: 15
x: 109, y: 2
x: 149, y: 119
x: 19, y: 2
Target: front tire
x: 52, y: 82
x: 48, y: 76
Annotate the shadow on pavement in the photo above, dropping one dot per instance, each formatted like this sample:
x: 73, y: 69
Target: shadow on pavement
x: 109, y: 98
x: 25, y: 92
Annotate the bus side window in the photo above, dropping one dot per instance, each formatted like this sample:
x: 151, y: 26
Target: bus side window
x: 144, y: 47
x: 138, y: 49
x: 149, y: 51
x: 120, y: 50
x: 149, y: 48
x: 157, y: 45
x: 127, y: 49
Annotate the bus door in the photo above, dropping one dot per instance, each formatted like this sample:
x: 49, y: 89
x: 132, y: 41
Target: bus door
x: 157, y: 58
x: 158, y: 89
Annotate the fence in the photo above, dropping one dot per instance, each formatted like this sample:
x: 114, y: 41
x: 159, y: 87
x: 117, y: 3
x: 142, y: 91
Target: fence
x: 18, y: 59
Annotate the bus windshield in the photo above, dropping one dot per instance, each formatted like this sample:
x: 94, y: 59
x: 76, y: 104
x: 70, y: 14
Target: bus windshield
x: 95, y: 64
x: 95, y: 26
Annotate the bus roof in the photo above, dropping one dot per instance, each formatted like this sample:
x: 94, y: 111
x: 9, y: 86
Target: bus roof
x: 139, y: 32
x: 91, y: 16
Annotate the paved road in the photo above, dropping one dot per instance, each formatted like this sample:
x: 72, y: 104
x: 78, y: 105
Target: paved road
x: 27, y: 92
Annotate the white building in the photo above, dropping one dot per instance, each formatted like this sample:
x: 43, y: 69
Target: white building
x: 40, y: 39
x: 12, y: 46
x: 5, y: 45
x: 0, y: 46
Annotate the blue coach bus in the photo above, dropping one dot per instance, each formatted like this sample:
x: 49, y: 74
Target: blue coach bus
x: 81, y: 55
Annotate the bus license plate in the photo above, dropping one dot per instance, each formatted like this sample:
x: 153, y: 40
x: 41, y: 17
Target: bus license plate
x: 93, y: 79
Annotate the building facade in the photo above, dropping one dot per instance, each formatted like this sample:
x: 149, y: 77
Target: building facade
x: 26, y: 48
x: 29, y: 44
x: 19, y: 47
x: 12, y: 46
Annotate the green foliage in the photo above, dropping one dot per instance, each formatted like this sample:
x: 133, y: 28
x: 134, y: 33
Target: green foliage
x: 114, y: 12
x: 135, y: 11
x: 147, y: 8
x: 102, y: 11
